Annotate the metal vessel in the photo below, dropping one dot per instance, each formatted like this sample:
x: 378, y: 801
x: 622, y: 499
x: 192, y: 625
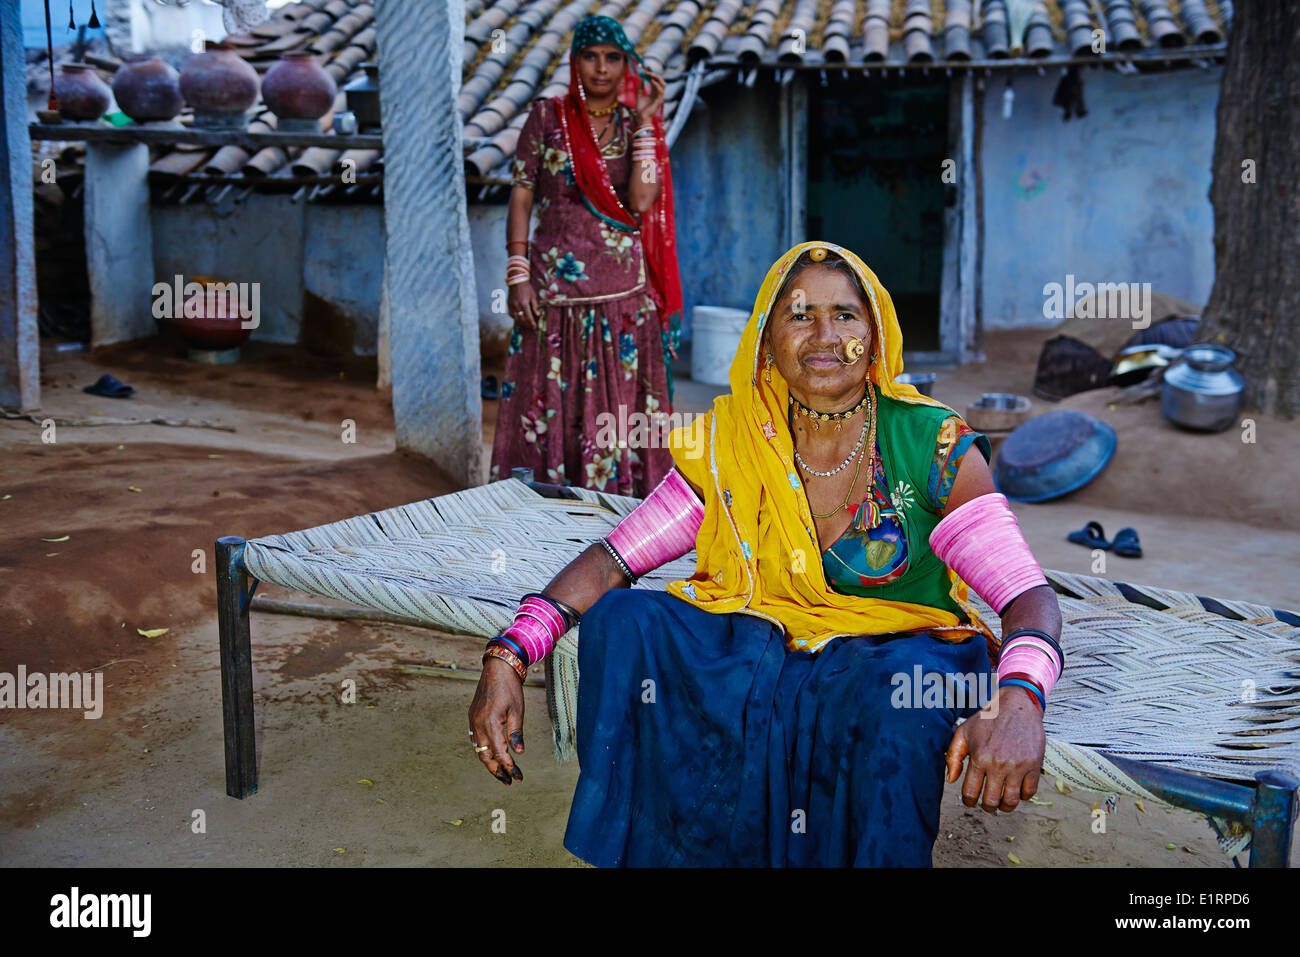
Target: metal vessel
x: 1202, y: 391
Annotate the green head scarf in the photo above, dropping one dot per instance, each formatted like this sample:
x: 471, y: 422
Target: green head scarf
x: 597, y: 30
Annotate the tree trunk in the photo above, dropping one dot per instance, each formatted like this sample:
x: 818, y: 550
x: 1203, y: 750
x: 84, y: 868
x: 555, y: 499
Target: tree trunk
x: 1255, y: 305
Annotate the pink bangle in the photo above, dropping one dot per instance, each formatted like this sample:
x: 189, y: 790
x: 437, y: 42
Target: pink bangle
x: 663, y: 527
x: 1042, y: 647
x: 1028, y: 661
x: 537, y: 627
x: 981, y: 541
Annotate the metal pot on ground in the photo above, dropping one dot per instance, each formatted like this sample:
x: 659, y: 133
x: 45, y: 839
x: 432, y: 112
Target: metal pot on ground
x: 1202, y: 391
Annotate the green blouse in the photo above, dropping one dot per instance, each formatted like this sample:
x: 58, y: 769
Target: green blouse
x: 919, y: 449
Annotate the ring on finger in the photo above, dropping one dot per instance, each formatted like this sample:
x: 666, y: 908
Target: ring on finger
x: 480, y: 748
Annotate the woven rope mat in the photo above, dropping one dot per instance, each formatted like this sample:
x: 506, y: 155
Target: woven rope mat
x: 1204, y: 685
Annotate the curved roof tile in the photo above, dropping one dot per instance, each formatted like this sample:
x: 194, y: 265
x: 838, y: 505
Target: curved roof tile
x: 505, y: 72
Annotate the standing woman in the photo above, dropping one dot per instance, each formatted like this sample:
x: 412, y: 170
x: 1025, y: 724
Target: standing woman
x: 596, y: 298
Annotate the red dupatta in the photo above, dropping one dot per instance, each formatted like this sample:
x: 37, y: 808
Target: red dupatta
x: 658, y: 227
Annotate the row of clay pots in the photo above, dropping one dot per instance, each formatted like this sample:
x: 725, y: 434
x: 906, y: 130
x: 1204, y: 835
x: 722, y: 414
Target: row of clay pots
x: 217, y: 83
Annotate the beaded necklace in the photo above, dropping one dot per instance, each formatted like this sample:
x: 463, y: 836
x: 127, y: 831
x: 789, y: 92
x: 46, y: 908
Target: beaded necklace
x: 837, y: 417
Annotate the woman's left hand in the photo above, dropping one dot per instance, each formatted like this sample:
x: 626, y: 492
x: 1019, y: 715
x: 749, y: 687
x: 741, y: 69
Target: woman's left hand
x: 1005, y: 742
x: 647, y: 104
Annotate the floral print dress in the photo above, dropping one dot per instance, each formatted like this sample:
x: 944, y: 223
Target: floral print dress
x: 593, y: 370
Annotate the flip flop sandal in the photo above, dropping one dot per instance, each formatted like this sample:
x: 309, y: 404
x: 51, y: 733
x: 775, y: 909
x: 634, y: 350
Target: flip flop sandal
x: 489, y: 388
x: 1126, y: 543
x: 110, y: 388
x: 1091, y: 536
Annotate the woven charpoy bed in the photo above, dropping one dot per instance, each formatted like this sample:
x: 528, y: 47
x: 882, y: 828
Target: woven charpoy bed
x: 1167, y: 696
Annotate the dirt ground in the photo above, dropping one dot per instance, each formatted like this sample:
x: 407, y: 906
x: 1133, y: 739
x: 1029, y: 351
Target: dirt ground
x: 390, y: 780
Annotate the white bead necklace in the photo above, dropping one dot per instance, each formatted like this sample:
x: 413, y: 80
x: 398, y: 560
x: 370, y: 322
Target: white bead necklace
x: 804, y: 465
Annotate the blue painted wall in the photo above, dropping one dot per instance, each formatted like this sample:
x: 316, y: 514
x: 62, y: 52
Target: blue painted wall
x: 335, y: 253
x: 727, y: 189
x: 1121, y: 195
x: 343, y: 264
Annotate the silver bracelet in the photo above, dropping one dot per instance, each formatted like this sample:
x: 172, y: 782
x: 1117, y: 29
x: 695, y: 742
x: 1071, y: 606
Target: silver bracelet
x: 618, y: 560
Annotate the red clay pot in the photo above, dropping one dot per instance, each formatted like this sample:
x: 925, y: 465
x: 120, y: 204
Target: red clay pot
x: 83, y: 96
x: 298, y: 87
x: 218, y: 81
x: 218, y: 328
x: 147, y: 89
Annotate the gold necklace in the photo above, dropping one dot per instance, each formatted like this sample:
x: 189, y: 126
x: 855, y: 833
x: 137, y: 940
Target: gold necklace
x: 837, y: 417
x: 605, y: 112
x: 844, y: 504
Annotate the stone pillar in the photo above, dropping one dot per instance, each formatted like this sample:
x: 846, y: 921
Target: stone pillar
x: 119, y: 243
x: 957, y: 322
x: 433, y: 313
x: 968, y: 197
x: 794, y: 158
x: 20, y: 378
x: 383, y: 349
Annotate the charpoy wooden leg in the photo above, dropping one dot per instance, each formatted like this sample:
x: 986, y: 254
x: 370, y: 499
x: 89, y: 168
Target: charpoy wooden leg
x: 236, y: 667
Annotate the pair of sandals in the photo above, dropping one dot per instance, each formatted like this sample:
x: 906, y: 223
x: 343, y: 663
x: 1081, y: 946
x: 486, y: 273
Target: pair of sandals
x: 1092, y: 536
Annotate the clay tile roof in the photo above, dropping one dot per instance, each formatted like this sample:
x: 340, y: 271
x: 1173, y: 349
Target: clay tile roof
x: 518, y: 50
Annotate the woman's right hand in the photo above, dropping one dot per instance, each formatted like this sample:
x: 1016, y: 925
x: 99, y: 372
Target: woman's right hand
x: 524, y: 306
x: 497, y: 713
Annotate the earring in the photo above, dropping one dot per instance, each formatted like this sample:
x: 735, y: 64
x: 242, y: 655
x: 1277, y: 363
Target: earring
x: 767, y: 371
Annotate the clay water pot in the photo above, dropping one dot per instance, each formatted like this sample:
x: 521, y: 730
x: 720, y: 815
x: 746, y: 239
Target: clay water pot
x: 213, y: 320
x: 219, y: 85
x: 83, y: 96
x: 147, y: 89
x: 298, y: 87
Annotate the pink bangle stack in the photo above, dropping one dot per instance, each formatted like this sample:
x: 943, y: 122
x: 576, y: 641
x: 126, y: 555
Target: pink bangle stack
x: 517, y: 270
x: 643, y: 144
x: 661, y: 528
x: 1027, y: 655
x: 537, y: 627
x: 982, y: 543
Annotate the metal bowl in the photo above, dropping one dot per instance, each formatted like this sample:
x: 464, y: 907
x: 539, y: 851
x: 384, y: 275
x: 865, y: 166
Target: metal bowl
x: 923, y: 382
x: 997, y: 412
x: 1052, y: 455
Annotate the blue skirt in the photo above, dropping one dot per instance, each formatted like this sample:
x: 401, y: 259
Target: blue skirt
x: 703, y: 742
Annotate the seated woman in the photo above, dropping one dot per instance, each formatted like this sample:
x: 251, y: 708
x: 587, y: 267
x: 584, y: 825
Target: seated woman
x: 791, y: 703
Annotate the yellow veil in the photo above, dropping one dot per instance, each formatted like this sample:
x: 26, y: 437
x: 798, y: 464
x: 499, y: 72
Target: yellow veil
x: 757, y: 549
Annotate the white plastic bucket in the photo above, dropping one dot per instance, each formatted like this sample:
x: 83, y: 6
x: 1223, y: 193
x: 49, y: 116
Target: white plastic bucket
x: 716, y: 332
